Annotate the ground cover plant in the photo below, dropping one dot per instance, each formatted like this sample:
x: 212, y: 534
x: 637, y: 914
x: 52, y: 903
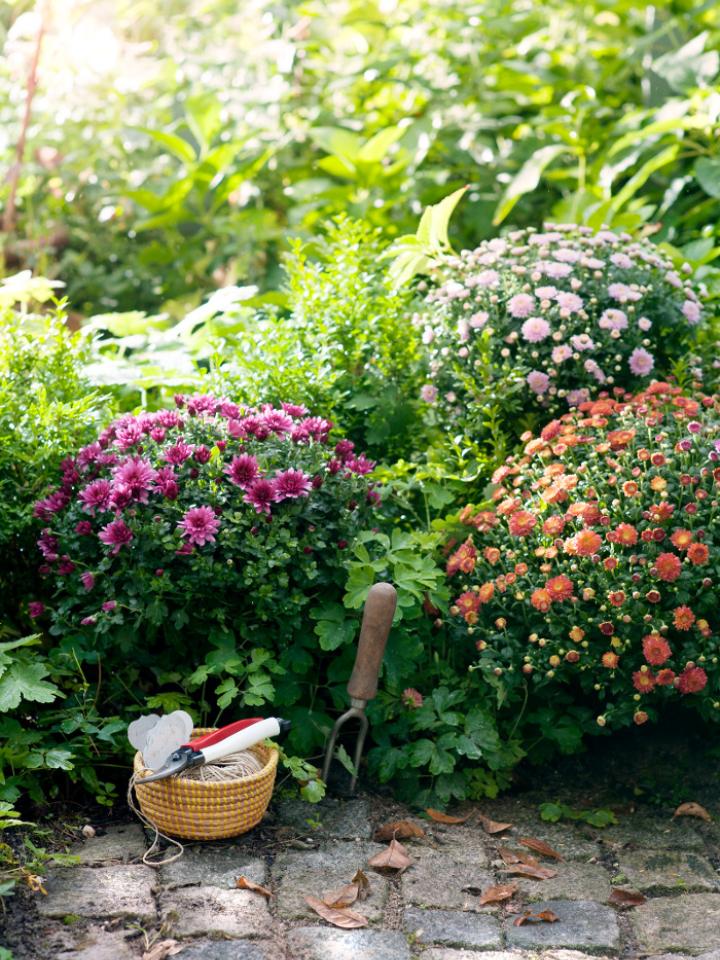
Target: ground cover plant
x: 592, y: 572
x: 546, y: 318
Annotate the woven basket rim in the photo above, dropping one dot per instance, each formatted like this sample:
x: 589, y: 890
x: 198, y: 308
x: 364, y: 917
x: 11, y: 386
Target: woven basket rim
x: 218, y: 786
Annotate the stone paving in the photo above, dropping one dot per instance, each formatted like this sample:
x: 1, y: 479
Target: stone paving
x: 112, y: 907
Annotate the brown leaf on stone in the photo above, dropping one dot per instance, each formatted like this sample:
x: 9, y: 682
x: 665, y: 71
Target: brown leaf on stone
x: 503, y: 891
x: 692, y: 810
x: 394, y: 858
x: 162, y: 949
x: 539, y: 846
x: 344, y: 897
x: 545, y: 916
x: 244, y: 884
x: 398, y: 829
x: 439, y: 817
x: 492, y: 826
x: 532, y: 873
x: 517, y: 856
x: 626, y: 898
x: 363, y: 885
x: 347, y: 919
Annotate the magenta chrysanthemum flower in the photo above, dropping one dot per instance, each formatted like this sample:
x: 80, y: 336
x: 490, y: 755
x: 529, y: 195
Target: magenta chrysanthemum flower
x: 521, y: 305
x: 243, y: 470
x: 166, y: 483
x: 294, y: 409
x: 641, y: 362
x: 535, y: 329
x: 360, y: 465
x: 88, y: 580
x: 36, y: 609
x: 137, y: 475
x: 48, y: 546
x: 109, y: 605
x: 290, y: 484
x: 128, y: 433
x: 96, y: 496
x: 201, y: 403
x: 199, y: 526
x: 45, y: 509
x: 116, y: 535
x: 261, y: 494
x: 277, y: 420
x: 178, y: 454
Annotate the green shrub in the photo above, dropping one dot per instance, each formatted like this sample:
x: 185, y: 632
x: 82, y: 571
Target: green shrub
x: 47, y: 409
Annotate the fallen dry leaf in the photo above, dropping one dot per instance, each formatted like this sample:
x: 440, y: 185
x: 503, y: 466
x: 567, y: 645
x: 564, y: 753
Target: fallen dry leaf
x: 539, y: 846
x: 362, y: 883
x: 399, y: 830
x: 692, y: 810
x: 347, y: 919
x: 344, y: 897
x: 395, y: 857
x: 244, y: 884
x: 492, y: 826
x: 503, y: 891
x: 517, y: 856
x: 533, y: 873
x: 162, y: 949
x: 439, y: 817
x: 626, y: 898
x: 545, y: 916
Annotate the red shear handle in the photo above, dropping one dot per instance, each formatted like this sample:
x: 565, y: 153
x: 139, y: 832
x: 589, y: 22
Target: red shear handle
x: 217, y: 735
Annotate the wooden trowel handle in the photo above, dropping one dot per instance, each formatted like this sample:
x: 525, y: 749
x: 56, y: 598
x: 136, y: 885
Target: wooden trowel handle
x: 377, y: 618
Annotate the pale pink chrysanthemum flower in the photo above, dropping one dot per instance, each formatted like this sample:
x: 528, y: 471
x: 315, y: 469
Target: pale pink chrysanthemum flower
x: 521, y: 305
x: 546, y: 293
x: 613, y: 319
x: 488, y: 278
x: 569, y: 301
x: 576, y: 397
x: 561, y: 353
x: 623, y: 293
x: 535, y: 329
x: 691, y: 311
x: 644, y: 323
x: 428, y: 393
x: 622, y: 260
x: 538, y: 381
x: 478, y: 320
x: 641, y: 362
x: 581, y: 341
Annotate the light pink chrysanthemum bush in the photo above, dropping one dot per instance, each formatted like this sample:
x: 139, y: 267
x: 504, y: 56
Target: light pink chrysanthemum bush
x: 549, y: 318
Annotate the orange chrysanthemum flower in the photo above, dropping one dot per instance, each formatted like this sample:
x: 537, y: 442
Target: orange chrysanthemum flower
x: 587, y: 542
x: 668, y: 567
x: 610, y: 660
x: 560, y: 588
x: 656, y: 649
x: 626, y: 534
x: 630, y: 488
x: 522, y: 523
x: 643, y: 681
x: 665, y: 677
x: 486, y: 592
x: 463, y: 559
x: 698, y: 554
x: 682, y: 539
x: 683, y: 618
x: 541, y: 600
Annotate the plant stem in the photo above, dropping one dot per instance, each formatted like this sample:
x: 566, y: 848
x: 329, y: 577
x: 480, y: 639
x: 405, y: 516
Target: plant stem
x: 8, y: 221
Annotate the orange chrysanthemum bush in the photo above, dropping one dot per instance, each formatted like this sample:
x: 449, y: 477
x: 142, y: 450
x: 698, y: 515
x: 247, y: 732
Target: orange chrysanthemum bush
x: 590, y: 587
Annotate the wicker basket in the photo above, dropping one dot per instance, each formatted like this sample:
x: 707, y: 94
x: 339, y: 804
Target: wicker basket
x: 208, y: 810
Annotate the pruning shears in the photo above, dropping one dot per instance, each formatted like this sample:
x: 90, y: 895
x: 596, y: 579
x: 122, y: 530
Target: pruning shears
x: 220, y: 743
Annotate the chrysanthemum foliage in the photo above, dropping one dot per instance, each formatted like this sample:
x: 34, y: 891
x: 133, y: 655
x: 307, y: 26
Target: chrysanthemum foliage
x: 596, y: 568
x: 549, y: 318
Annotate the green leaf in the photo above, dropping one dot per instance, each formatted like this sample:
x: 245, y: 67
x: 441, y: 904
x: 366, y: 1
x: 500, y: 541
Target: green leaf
x: 707, y: 174
x: 642, y: 176
x: 551, y: 812
x: 377, y: 147
x: 203, y: 115
x: 24, y: 681
x: 313, y: 791
x: 176, y: 146
x: 440, y: 214
x: 689, y: 66
x: 337, y: 141
x: 527, y: 179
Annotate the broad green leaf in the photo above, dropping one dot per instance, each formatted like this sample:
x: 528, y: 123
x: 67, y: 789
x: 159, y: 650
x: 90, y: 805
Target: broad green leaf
x: 707, y: 174
x: 176, y: 145
x: 527, y: 179
x: 440, y: 214
x: 24, y: 681
x: 377, y: 147
x: 689, y: 66
x: 338, y: 141
x: 203, y: 115
x: 642, y: 176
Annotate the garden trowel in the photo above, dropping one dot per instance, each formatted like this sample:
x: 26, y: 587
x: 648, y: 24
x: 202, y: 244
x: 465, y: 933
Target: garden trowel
x: 362, y: 686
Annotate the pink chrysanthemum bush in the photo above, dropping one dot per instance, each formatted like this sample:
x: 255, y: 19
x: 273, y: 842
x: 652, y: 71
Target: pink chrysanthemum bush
x: 589, y: 587
x: 207, y: 530
x: 548, y: 319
